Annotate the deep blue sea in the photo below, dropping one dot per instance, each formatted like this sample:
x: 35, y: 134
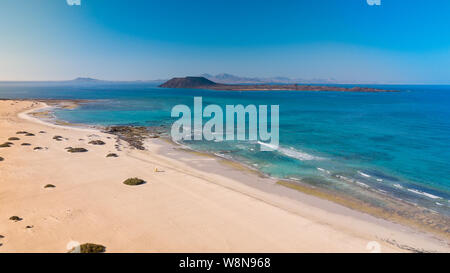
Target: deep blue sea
x: 393, y: 143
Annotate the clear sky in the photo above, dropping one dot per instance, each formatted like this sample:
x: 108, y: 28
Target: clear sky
x: 400, y: 41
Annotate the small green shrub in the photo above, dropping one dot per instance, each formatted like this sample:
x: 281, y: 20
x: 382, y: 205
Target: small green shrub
x: 29, y: 134
x: 26, y: 144
x: 97, y: 142
x: 5, y: 145
x: 76, y: 150
x: 13, y: 138
x: 22, y: 132
x: 49, y: 186
x: 134, y: 181
x: 112, y: 155
x: 90, y: 248
x: 15, y: 218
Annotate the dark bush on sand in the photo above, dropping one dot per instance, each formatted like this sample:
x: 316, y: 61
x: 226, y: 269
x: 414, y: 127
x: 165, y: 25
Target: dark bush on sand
x: 29, y: 134
x: 97, y: 142
x: 90, y: 248
x: 15, y: 218
x: 76, y: 150
x: 112, y: 155
x: 13, y: 138
x: 5, y: 145
x: 49, y: 186
x: 134, y: 181
x: 26, y: 144
x: 58, y: 138
x: 1, y: 158
x: 37, y: 148
x: 22, y: 132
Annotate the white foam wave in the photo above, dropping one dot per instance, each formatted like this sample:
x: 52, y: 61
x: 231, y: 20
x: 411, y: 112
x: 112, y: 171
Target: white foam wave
x: 363, y: 174
x: 362, y: 184
x: 429, y: 195
x: 323, y: 170
x: 291, y: 152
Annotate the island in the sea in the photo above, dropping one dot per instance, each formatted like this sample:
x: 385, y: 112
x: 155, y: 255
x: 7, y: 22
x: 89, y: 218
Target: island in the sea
x: 203, y: 83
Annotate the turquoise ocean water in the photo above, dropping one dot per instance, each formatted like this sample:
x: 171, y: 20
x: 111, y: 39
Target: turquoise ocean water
x: 393, y: 143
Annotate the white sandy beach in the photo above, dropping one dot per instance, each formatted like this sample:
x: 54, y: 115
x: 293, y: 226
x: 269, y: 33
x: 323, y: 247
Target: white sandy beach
x: 192, y: 204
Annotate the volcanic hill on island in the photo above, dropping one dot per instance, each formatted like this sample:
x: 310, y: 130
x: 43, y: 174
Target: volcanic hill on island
x: 204, y: 83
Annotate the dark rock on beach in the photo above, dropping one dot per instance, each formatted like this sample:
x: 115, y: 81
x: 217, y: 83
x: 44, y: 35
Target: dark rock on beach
x: 134, y: 135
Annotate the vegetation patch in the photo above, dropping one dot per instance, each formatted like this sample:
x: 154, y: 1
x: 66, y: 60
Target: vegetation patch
x: 49, y: 186
x: 1, y: 158
x: 15, y: 218
x: 90, y: 248
x: 97, y: 142
x: 22, y: 132
x: 13, y: 138
x: 134, y: 181
x: 29, y: 134
x: 5, y: 145
x: 37, y: 148
x: 58, y: 138
x: 112, y: 155
x: 76, y: 150
x: 26, y: 144
x: 41, y: 132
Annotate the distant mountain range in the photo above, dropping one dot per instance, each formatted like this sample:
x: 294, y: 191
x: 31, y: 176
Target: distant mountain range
x: 223, y: 78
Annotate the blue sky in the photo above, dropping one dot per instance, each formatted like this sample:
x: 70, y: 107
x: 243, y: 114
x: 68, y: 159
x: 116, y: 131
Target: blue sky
x: 401, y: 41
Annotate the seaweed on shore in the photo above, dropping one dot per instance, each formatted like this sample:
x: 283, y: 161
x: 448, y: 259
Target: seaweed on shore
x: 134, y: 181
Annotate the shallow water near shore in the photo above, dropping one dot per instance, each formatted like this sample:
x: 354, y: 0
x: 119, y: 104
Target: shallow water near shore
x: 395, y: 144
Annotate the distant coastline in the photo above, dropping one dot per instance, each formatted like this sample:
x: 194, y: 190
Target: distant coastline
x: 204, y: 83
